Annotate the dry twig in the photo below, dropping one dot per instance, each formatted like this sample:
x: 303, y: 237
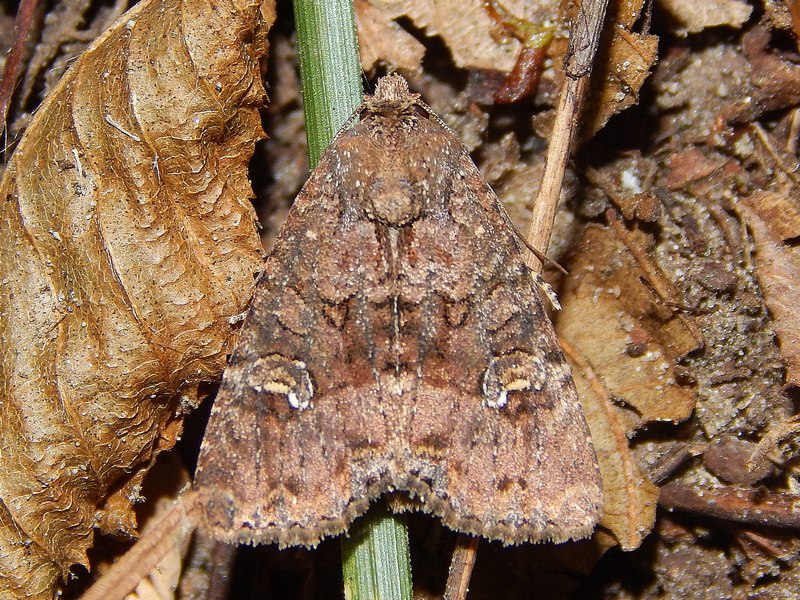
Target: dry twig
x: 742, y: 505
x: 123, y: 577
x: 22, y: 31
x: 464, y: 555
x: 577, y: 65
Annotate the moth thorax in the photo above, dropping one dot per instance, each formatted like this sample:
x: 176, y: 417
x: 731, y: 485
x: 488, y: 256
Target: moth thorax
x: 393, y: 205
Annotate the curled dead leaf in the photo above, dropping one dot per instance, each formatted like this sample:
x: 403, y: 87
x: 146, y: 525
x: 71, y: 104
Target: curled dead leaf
x: 772, y: 218
x: 622, y: 343
x: 463, y: 25
x: 128, y: 244
x: 381, y: 39
x: 624, y: 61
x: 693, y: 17
x: 629, y: 498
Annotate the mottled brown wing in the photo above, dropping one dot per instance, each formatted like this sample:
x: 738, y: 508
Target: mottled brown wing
x: 496, y: 442
x: 296, y: 442
x: 397, y: 341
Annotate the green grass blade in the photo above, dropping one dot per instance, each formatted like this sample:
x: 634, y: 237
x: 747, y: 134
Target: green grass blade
x: 330, y: 72
x: 376, y: 563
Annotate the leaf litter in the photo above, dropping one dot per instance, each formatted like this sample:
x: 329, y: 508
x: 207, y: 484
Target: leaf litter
x: 693, y: 155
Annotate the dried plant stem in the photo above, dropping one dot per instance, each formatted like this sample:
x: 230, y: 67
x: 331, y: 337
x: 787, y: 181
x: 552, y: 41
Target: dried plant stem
x: 578, y: 64
x: 464, y: 555
x: 375, y: 557
x: 166, y: 533
x: 22, y: 31
x: 742, y: 505
x: 544, y: 209
x: 764, y: 137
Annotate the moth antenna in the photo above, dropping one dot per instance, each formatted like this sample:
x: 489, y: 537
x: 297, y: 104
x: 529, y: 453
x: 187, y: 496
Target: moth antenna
x: 433, y: 116
x: 351, y: 120
x: 537, y: 253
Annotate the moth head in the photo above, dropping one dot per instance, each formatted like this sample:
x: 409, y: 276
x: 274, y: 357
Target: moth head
x: 392, y: 90
x: 393, y: 111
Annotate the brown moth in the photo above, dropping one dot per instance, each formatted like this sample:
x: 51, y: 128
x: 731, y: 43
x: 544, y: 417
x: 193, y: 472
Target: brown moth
x: 397, y: 342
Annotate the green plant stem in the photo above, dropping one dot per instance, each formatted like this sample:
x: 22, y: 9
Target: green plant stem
x: 375, y: 558
x: 330, y: 71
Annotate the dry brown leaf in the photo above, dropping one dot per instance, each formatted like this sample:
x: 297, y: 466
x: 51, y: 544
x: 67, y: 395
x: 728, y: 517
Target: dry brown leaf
x: 463, y: 25
x: 381, y: 39
x: 622, y: 345
x: 692, y: 17
x: 624, y: 61
x: 773, y: 217
x: 689, y: 166
x: 630, y: 339
x: 779, y: 211
x: 629, y: 498
x: 128, y: 245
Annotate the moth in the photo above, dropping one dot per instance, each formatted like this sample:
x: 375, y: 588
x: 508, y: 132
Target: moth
x: 397, y: 341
